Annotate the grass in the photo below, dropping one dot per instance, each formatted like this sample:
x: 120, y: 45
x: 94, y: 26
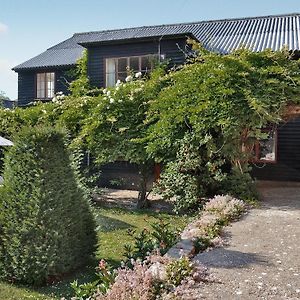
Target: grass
x: 112, y: 226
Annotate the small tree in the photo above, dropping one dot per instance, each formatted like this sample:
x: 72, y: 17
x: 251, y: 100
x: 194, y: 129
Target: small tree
x: 47, y: 228
x: 115, y: 128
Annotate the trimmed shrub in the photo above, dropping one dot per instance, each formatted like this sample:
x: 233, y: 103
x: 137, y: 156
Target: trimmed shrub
x: 46, y: 225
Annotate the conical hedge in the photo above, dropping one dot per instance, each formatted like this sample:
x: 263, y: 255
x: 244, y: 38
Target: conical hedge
x: 46, y: 225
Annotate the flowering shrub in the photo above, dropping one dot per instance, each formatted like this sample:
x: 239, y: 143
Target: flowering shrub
x: 130, y: 284
x: 225, y: 206
x: 142, y: 281
x: 178, y: 270
x: 199, y: 273
x: 217, y: 212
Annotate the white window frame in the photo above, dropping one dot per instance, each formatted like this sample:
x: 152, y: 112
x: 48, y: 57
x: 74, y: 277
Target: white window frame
x: 45, y: 88
x: 116, y: 73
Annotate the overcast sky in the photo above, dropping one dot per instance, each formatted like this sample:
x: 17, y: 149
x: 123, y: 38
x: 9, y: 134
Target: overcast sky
x: 29, y: 27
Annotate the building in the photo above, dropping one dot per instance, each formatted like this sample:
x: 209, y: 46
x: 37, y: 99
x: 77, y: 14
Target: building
x: 110, y: 52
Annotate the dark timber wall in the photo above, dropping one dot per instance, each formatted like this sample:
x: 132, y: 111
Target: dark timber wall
x: 287, y: 167
x: 123, y: 175
x: 97, y: 55
x: 27, y: 84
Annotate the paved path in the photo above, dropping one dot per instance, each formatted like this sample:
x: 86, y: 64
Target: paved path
x: 262, y: 259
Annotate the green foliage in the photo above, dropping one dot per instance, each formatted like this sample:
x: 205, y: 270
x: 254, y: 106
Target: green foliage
x: 117, y: 121
x: 105, y: 278
x: 208, y: 117
x: 190, y: 177
x: 85, y: 290
x: 47, y: 228
x: 2, y: 97
x: 81, y: 85
x: 115, y: 126
x: 161, y: 237
x: 240, y: 186
x: 178, y: 270
x: 200, y: 121
x: 201, y: 243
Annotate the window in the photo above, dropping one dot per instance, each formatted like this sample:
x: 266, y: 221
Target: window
x: 119, y: 68
x: 45, y: 85
x: 266, y: 149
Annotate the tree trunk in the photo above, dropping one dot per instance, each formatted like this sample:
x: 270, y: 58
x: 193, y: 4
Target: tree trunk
x: 142, y: 197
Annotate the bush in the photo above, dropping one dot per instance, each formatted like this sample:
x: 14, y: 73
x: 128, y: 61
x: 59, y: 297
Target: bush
x: 47, y: 228
x: 225, y: 207
x: 105, y: 279
x: 131, y: 284
x: 240, y: 185
x: 178, y: 270
x: 161, y: 238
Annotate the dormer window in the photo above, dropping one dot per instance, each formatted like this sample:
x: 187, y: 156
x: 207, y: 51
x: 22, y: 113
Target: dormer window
x: 45, y: 85
x: 119, y: 68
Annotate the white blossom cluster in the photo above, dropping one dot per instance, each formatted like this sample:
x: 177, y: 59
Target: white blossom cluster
x: 59, y: 96
x: 110, y: 94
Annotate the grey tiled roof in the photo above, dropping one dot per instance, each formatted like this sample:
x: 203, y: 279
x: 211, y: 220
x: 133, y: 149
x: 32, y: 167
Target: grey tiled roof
x: 257, y: 33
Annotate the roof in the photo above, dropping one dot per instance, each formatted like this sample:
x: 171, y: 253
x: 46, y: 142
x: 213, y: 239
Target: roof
x: 5, y: 142
x: 257, y: 33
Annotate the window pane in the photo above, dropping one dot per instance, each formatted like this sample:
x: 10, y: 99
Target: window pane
x: 110, y: 79
x: 40, y: 85
x: 134, y: 64
x: 110, y: 65
x: 146, y: 63
x: 50, y: 85
x: 122, y: 65
x: 122, y: 76
x: 110, y: 72
x: 45, y: 83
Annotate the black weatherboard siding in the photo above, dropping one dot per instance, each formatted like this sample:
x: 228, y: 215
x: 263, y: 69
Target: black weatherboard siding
x: 173, y: 49
x: 27, y: 84
x: 26, y: 87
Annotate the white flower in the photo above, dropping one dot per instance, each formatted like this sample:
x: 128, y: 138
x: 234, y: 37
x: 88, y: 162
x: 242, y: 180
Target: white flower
x: 104, y: 91
x: 138, y: 90
x: 111, y: 100
x: 120, y: 101
x: 117, y: 88
x: 108, y: 93
x: 118, y: 83
x: 138, y: 74
x: 128, y: 78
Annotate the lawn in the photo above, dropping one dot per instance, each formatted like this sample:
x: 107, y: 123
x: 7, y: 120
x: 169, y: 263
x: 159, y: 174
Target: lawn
x: 112, y: 226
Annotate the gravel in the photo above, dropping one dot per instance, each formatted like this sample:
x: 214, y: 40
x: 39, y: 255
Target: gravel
x: 262, y: 256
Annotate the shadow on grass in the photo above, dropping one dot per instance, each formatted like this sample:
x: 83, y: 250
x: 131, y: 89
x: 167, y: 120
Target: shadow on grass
x: 64, y: 289
x: 107, y: 224
x: 146, y: 211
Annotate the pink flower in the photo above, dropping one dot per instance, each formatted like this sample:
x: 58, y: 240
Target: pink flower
x: 102, y: 264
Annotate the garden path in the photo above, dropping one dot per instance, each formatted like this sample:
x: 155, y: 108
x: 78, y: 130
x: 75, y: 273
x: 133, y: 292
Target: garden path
x: 128, y: 199
x: 261, y: 259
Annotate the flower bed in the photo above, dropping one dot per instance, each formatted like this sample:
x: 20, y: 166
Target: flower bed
x: 164, y: 277
x: 204, y: 232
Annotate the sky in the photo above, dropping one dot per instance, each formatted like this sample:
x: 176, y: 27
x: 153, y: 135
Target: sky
x: 29, y: 27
